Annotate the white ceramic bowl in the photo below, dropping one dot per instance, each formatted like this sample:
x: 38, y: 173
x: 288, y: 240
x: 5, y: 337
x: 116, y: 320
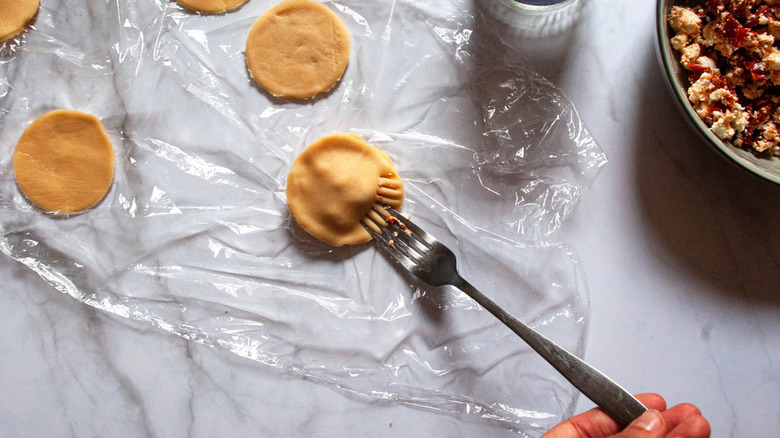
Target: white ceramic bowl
x: 677, y: 79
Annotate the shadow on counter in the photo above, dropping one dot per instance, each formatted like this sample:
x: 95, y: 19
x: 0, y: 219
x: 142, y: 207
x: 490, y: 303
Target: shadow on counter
x: 713, y: 218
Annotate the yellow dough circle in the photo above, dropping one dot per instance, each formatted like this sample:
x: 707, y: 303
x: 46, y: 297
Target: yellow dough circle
x: 335, y: 182
x: 64, y: 162
x: 211, y: 6
x: 14, y: 16
x: 297, y: 49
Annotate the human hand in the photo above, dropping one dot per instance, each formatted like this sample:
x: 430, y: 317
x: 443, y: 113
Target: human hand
x: 683, y: 420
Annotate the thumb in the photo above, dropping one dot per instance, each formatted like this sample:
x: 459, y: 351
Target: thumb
x: 648, y: 425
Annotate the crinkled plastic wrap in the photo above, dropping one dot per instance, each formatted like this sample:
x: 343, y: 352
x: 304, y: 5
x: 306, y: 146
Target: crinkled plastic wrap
x: 195, y: 237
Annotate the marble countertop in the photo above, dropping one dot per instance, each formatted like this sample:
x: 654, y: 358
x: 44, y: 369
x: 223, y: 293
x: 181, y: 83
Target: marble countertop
x: 677, y: 245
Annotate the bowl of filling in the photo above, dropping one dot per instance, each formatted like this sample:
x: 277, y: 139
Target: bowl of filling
x: 722, y: 62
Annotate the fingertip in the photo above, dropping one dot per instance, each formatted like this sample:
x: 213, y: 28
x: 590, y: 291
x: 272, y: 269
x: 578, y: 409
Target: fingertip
x: 652, y: 401
x: 651, y: 421
x: 687, y: 409
x: 701, y: 426
x: 695, y: 426
x: 677, y: 414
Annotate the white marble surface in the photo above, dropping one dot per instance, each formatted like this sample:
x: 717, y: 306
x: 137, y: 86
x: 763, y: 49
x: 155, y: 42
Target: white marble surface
x: 677, y: 246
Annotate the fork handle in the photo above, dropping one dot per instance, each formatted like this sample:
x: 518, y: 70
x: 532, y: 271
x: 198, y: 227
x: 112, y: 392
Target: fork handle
x: 599, y: 388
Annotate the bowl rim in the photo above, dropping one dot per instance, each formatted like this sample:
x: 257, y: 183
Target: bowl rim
x: 741, y: 157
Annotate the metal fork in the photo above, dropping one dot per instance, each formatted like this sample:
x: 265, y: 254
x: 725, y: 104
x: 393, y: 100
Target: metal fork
x: 435, y: 264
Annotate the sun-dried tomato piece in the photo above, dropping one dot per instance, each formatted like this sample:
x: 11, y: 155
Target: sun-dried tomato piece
x: 697, y: 70
x: 748, y: 137
x: 735, y: 34
x: 741, y: 9
x: 757, y: 70
x: 761, y: 109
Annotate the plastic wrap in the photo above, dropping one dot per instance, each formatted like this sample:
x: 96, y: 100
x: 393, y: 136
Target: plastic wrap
x: 195, y: 237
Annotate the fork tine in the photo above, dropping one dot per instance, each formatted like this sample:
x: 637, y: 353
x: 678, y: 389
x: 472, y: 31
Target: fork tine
x: 407, y: 246
x: 390, y: 232
x: 386, y: 243
x: 420, y: 235
x: 404, y: 238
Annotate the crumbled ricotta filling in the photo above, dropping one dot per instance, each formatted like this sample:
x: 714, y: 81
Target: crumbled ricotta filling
x: 731, y: 49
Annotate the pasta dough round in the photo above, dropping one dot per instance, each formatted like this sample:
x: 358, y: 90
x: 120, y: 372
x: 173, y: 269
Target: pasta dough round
x: 297, y: 49
x: 211, y: 6
x: 14, y: 16
x: 335, y: 182
x: 64, y: 162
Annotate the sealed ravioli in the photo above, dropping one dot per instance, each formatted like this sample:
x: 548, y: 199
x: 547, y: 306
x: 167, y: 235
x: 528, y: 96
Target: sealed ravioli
x: 211, y: 6
x: 335, y: 182
x: 64, y: 161
x: 14, y: 16
x: 297, y: 49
